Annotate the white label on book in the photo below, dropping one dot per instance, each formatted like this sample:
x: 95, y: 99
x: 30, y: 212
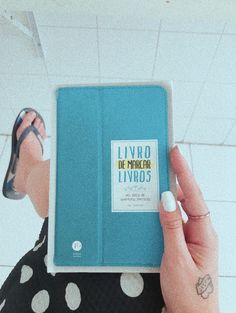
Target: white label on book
x: 134, y: 175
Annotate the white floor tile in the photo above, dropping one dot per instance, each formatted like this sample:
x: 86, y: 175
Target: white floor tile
x: 4, y: 272
x: 180, y: 126
x: 230, y: 27
x: 181, y: 56
x: 231, y: 138
x: 61, y: 81
x: 217, y: 101
x: 122, y: 80
x: 18, y: 53
x: 208, y: 130
x: 128, y: 23
x: 2, y: 143
x: 222, y: 215
x: 191, y: 25
x: 185, y: 96
x: 223, y: 68
x: 70, y: 51
x: 215, y: 170
x: 63, y: 19
x: 7, y: 119
x: 227, y: 287
x: 127, y: 53
x: 27, y: 91
x: 47, y: 149
x: 3, y: 20
x: 5, y: 99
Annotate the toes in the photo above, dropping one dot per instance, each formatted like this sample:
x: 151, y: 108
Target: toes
x: 42, y: 130
x: 37, y: 122
x: 39, y: 125
x: 27, y: 120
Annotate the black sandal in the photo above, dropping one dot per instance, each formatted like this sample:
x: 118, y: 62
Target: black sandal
x: 8, y: 188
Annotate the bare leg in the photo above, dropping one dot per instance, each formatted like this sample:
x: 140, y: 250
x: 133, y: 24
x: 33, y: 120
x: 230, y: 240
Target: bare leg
x: 32, y: 175
x: 37, y: 187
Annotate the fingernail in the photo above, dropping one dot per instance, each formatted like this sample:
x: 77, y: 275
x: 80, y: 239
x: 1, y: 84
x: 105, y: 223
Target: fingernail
x: 33, y: 114
x: 168, y: 201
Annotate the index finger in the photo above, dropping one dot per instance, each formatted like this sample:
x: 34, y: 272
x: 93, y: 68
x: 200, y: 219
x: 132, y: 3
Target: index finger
x: 195, y: 204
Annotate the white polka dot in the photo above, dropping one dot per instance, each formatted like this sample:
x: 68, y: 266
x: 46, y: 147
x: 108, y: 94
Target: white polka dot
x: 46, y: 260
x: 2, y: 304
x: 26, y: 274
x: 40, y: 244
x: 132, y: 284
x: 40, y: 301
x: 72, y: 296
x: 46, y: 264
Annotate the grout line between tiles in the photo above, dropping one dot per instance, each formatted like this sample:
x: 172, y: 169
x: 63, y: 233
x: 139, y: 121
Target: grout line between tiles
x: 156, y: 50
x: 205, y: 144
x: 105, y: 77
x: 221, y: 201
x: 203, y: 84
x: 102, y: 28
x: 4, y: 146
x: 192, y: 32
x: 67, y: 27
x: 229, y: 131
x: 136, y: 29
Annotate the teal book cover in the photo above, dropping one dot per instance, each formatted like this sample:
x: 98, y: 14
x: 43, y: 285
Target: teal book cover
x: 110, y: 166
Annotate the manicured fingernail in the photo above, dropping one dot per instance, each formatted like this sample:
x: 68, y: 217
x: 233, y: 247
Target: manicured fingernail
x: 168, y: 201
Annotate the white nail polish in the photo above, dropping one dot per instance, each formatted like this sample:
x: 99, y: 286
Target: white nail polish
x: 168, y: 201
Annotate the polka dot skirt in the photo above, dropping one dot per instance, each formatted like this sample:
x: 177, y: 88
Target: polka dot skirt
x: 29, y: 288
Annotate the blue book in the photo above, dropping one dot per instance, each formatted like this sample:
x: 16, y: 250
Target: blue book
x: 108, y: 169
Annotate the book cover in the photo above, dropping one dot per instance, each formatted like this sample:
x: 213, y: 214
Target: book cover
x: 110, y: 165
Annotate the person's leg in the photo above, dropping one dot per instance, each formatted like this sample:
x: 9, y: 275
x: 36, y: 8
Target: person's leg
x: 32, y: 175
x: 37, y: 187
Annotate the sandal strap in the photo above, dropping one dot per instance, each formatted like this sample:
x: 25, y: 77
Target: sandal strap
x: 24, y: 134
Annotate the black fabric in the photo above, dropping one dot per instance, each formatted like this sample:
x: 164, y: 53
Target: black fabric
x: 98, y: 292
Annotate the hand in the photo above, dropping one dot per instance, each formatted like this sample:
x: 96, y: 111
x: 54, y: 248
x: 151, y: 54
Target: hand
x: 189, y: 267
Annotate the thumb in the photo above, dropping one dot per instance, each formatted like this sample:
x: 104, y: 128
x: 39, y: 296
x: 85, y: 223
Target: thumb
x: 172, y: 225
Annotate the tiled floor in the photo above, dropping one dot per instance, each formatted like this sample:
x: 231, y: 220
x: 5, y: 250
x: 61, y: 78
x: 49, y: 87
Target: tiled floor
x: 197, y: 56
x: 218, y: 191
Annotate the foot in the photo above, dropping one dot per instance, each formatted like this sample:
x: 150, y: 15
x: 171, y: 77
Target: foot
x: 30, y: 150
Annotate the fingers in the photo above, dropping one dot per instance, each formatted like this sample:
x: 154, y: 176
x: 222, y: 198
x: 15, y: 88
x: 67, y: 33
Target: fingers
x: 171, y: 222
x: 189, y: 190
x: 198, y: 231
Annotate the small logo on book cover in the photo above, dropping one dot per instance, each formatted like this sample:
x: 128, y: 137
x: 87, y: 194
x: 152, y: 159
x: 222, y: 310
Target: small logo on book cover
x: 76, y: 245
